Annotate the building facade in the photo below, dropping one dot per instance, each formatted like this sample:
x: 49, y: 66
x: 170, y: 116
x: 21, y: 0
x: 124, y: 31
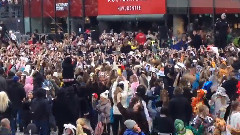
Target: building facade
x: 77, y: 15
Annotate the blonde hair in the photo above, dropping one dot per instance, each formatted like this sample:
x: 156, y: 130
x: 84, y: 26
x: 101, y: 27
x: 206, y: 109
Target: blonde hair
x: 4, y: 100
x: 118, y: 90
x: 80, y: 122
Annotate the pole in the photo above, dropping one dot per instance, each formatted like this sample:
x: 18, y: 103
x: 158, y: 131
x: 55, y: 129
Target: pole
x: 30, y: 15
x: 214, y: 13
x: 166, y: 15
x: 55, y: 16
x: 83, y: 14
x: 69, y: 16
x: 42, y: 19
x: 23, y: 16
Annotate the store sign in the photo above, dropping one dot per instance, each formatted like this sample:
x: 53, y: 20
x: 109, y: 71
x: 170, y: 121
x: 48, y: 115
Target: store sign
x: 61, y: 6
x: 129, y: 7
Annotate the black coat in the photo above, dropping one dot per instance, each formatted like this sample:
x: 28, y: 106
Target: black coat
x: 196, y: 41
x: 40, y: 109
x: 126, y: 49
x: 68, y: 69
x: 180, y: 108
x: 231, y: 89
x: 163, y: 125
x: 65, y: 108
x: 16, y: 94
x: 3, y: 83
x: 8, y: 113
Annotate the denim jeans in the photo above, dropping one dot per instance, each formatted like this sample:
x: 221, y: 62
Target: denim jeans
x: 43, y: 126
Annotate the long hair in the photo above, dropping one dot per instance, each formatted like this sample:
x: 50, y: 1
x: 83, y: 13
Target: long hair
x: 4, y: 100
x: 80, y: 122
x: 118, y: 90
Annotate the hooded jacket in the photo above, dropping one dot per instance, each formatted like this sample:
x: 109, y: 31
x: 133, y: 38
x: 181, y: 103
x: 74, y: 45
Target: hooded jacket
x: 104, y: 111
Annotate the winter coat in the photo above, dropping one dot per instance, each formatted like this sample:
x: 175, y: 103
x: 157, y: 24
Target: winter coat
x: 180, y: 108
x: 3, y: 83
x: 68, y: 69
x: 16, y: 94
x: 138, y: 116
x: 104, y: 111
x: 8, y: 113
x: 40, y: 109
x: 131, y: 132
x: 163, y: 125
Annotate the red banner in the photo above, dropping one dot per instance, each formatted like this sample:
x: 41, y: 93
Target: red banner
x: 130, y: 7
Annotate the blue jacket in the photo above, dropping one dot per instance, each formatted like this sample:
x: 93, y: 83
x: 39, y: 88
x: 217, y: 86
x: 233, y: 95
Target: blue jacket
x: 131, y: 132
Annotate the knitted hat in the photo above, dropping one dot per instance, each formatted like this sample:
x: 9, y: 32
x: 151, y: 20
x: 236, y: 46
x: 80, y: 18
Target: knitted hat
x: 179, y: 126
x: 130, y: 124
x: 104, y: 94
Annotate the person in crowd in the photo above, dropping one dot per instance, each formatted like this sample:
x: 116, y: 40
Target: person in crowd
x: 6, y: 109
x: 72, y: 72
x: 233, y: 119
x: 103, y: 108
x: 120, y: 86
x: 135, y: 112
x: 163, y: 123
x: 5, y: 128
x: 82, y: 127
x: 203, y: 119
x: 40, y: 109
x: 26, y: 114
x: 179, y: 107
x: 3, y: 83
x: 132, y: 128
x: 16, y: 94
x: 196, y: 40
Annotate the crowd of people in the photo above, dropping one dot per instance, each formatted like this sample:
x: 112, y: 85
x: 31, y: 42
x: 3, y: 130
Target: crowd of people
x: 123, y: 84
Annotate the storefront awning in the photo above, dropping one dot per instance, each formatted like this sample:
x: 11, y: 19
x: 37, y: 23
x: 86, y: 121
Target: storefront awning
x: 149, y: 17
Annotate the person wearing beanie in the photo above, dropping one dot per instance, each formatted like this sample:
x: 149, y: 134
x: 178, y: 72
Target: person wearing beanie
x: 103, y: 109
x: 132, y: 128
